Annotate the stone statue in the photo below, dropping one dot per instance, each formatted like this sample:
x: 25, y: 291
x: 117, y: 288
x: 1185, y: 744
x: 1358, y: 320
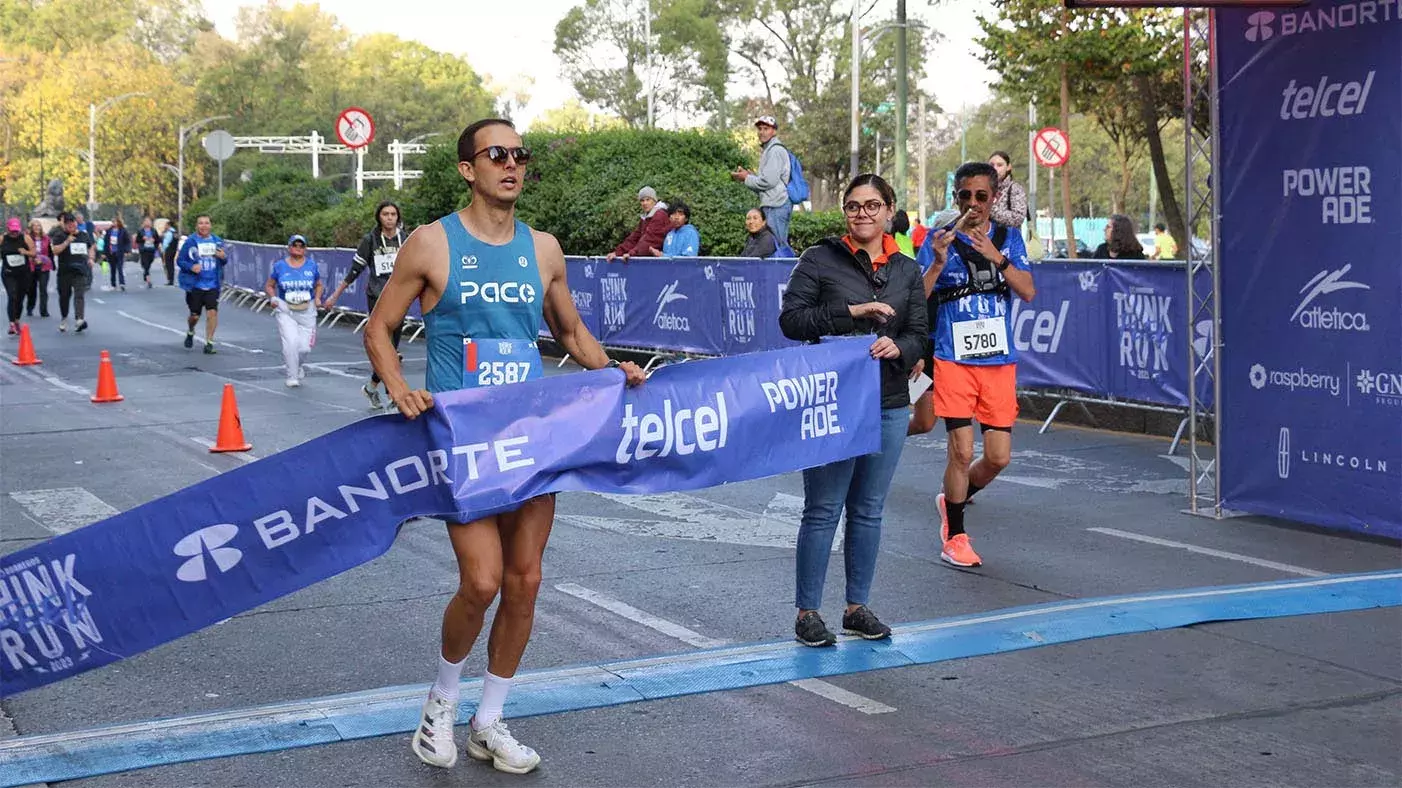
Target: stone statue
x: 53, y: 203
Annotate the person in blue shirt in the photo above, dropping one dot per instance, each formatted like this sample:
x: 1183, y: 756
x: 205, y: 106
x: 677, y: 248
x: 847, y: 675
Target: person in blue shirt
x: 973, y: 268
x: 202, y: 260
x: 295, y: 287
x: 146, y: 241
x: 116, y: 248
x: 682, y: 240
x: 169, y: 246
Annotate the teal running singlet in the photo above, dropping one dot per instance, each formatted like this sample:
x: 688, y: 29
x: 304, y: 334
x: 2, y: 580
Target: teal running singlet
x: 483, y: 330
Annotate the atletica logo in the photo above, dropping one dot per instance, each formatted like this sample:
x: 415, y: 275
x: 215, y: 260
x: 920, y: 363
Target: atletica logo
x: 1318, y: 318
x: 207, y: 541
x: 1258, y: 26
x: 667, y: 320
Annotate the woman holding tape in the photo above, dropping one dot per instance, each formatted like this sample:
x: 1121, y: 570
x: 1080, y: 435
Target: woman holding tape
x: 858, y: 284
x: 295, y: 290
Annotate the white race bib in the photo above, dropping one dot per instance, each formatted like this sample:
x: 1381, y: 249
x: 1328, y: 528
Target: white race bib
x: 207, y: 250
x: 77, y: 247
x: 14, y: 260
x: 384, y: 262
x: 980, y: 338
x: 297, y: 297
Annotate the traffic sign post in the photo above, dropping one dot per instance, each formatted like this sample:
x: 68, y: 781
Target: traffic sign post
x: 1052, y: 147
x: 355, y: 128
x: 219, y: 144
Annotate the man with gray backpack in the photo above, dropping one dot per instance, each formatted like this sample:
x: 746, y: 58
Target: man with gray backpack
x: 779, y: 182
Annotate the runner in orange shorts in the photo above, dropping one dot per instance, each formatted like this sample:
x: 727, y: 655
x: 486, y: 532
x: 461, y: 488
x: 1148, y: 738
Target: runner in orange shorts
x: 973, y: 268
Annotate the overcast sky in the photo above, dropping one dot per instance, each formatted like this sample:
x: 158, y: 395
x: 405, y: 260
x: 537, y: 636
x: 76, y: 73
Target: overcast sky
x: 511, y: 41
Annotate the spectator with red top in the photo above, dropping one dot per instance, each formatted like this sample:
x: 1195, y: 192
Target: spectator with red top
x: 651, y: 231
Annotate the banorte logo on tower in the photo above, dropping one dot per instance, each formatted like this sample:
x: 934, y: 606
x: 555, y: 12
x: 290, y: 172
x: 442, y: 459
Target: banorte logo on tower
x: 1262, y: 26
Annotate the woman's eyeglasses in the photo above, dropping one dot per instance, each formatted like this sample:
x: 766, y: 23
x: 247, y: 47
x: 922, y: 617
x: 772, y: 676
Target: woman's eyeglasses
x: 870, y: 207
x: 979, y: 197
x: 498, y: 154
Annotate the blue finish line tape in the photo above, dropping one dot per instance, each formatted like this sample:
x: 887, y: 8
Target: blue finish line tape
x: 394, y: 710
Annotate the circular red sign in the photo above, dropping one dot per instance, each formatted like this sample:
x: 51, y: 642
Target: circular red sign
x: 1052, y: 147
x: 355, y: 128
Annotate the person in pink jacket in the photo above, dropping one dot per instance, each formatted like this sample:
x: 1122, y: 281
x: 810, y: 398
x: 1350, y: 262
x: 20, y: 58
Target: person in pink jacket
x: 651, y: 231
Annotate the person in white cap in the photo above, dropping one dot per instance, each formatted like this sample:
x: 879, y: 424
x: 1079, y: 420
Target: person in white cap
x: 651, y: 231
x: 771, y: 183
x: 295, y: 287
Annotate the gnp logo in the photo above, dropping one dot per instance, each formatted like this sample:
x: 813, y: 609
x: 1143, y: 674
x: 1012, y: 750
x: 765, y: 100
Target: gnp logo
x: 209, y: 542
x: 1386, y: 387
x: 665, y: 319
x: 1310, y: 315
x: 1264, y: 25
x: 1258, y: 26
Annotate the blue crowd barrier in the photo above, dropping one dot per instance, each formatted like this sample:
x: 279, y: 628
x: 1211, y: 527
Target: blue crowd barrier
x: 1104, y: 329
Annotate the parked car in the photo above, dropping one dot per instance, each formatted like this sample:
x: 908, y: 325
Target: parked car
x: 1058, y: 249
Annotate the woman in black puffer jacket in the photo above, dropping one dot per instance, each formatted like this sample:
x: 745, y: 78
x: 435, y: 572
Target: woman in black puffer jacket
x: 857, y: 284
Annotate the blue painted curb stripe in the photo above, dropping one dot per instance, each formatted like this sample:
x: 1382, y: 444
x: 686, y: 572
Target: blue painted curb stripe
x: 394, y: 710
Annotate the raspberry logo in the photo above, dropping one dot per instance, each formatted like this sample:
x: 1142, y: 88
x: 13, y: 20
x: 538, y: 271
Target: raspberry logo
x: 1258, y: 376
x: 207, y: 541
x: 1365, y: 381
x: 1258, y: 26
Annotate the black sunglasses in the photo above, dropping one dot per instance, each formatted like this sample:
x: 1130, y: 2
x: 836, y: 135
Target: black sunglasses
x: 498, y: 154
x: 965, y: 194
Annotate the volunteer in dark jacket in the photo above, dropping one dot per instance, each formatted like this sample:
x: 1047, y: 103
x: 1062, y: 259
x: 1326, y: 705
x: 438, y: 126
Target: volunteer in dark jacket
x: 651, y: 231
x: 858, y: 284
x: 378, y: 251
x: 761, y: 243
x: 118, y: 244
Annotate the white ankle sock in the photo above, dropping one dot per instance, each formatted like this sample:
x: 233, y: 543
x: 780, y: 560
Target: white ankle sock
x: 494, y: 689
x: 449, y: 675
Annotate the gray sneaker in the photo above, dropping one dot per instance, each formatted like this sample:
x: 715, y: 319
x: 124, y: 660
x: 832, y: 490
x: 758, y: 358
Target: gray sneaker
x: 864, y: 623
x: 373, y: 394
x: 811, y: 631
x: 496, y: 744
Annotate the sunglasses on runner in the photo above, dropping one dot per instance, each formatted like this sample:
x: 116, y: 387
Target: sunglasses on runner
x: 498, y: 154
x: 965, y: 194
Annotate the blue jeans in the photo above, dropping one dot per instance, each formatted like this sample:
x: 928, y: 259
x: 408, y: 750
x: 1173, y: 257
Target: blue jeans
x: 778, y: 220
x: 860, y: 483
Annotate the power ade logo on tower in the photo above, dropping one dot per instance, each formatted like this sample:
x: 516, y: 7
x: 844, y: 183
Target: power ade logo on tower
x: 661, y: 435
x: 815, y: 394
x: 1346, y: 193
x: 739, y: 309
x: 1384, y: 387
x: 499, y: 292
x: 51, y: 595
x: 1328, y: 99
x: 1262, y: 26
x: 666, y: 319
x: 1313, y: 316
x: 1146, y: 333
x: 613, y: 288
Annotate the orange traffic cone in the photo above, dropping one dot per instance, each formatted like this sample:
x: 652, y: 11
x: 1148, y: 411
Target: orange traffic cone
x: 230, y: 436
x: 26, y: 348
x: 106, y: 381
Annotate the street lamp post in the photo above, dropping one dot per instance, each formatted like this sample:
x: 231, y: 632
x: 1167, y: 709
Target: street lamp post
x: 856, y: 78
x: 93, y: 109
x: 184, y: 133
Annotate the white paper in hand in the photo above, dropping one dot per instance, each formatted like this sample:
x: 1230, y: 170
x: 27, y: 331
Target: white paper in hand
x: 919, y: 385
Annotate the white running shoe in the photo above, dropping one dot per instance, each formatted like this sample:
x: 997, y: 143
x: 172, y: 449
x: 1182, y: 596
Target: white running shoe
x: 293, y: 383
x: 433, y: 739
x: 62, y: 326
x: 372, y: 393
x: 496, y: 744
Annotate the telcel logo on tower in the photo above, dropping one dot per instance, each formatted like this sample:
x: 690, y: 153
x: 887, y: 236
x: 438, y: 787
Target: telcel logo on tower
x: 1325, y: 100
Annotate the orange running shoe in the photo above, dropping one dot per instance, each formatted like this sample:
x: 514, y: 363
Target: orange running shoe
x: 959, y: 552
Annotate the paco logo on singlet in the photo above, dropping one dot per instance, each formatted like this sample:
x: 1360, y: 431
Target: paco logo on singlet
x: 499, y: 292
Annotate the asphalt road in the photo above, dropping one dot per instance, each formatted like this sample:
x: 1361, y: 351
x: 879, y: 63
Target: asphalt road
x: 1311, y: 700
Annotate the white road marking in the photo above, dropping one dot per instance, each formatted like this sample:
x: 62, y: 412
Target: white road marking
x: 179, y: 332
x: 683, y: 516
x: 691, y: 637
x: 63, y: 509
x: 49, y: 379
x: 1246, y: 559
x: 238, y: 455
x: 333, y: 371
x: 687, y: 636
x: 99, y: 300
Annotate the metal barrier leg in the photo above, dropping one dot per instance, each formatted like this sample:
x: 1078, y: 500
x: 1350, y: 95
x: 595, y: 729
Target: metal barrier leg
x: 417, y: 331
x: 1178, y: 436
x: 563, y: 361
x: 359, y: 327
x: 648, y: 367
x: 1046, y: 425
x: 1089, y: 416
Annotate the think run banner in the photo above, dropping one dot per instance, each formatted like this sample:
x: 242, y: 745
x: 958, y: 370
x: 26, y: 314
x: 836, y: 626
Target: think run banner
x: 244, y: 538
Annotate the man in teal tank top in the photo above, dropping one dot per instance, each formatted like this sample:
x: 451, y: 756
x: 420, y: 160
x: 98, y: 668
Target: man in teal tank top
x: 485, y: 282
